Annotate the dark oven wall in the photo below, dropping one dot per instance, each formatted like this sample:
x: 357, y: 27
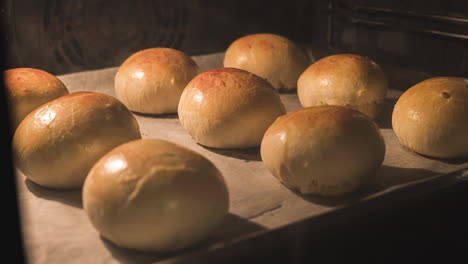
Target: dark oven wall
x: 418, y: 39
x: 64, y: 36
x: 422, y: 37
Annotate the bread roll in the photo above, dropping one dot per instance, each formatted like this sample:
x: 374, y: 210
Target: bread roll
x: 270, y: 56
x: 228, y: 108
x: 27, y: 89
x: 324, y: 150
x: 152, y: 194
x: 431, y: 118
x: 56, y: 144
x: 345, y: 79
x: 151, y: 80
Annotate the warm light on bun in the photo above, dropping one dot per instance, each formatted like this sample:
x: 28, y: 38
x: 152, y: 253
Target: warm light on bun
x: 431, y: 118
x: 27, y: 89
x: 152, y: 194
x: 56, y: 144
x: 151, y: 80
x: 270, y: 56
x: 229, y: 108
x: 345, y: 79
x: 324, y: 150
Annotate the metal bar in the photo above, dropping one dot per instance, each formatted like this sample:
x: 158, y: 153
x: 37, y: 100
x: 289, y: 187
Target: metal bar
x: 439, y: 33
x: 411, y: 14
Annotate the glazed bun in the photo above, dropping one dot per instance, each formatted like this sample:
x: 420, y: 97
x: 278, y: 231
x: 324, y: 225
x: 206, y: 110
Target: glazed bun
x: 151, y: 80
x: 270, y: 56
x: 431, y: 118
x: 152, y: 194
x: 323, y: 150
x: 56, y: 144
x: 229, y: 108
x: 27, y: 89
x: 347, y: 80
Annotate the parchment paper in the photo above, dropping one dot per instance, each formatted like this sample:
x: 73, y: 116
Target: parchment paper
x: 56, y: 229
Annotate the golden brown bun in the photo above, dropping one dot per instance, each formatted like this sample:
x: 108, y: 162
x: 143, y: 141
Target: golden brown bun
x: 345, y: 79
x: 229, y: 108
x: 151, y: 80
x: 27, y: 89
x: 324, y: 150
x: 152, y: 194
x: 270, y: 56
x: 56, y: 144
x: 431, y: 118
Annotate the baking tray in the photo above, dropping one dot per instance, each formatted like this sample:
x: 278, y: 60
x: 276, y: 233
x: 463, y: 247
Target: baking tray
x: 57, y: 230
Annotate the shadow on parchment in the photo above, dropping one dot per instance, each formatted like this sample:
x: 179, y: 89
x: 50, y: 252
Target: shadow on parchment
x: 292, y: 91
x: 386, y: 177
x: 70, y: 197
x: 389, y: 176
x: 165, y: 116
x: 249, y: 154
x: 458, y: 161
x: 232, y: 227
x: 384, y: 119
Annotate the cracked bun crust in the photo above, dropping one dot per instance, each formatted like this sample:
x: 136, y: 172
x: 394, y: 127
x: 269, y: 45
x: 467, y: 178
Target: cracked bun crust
x: 151, y: 81
x: 270, y: 56
x: 152, y: 194
x: 229, y: 108
x: 324, y: 150
x: 57, y: 144
x: 431, y: 118
x: 347, y: 80
x: 27, y: 89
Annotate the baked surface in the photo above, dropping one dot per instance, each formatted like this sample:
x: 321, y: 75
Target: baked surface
x: 57, y: 144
